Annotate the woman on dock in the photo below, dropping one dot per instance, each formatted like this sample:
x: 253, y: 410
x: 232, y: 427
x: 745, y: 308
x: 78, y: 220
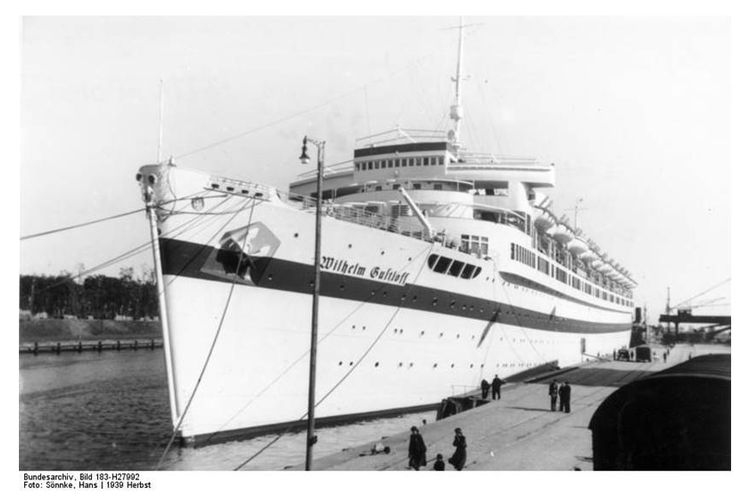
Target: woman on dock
x: 458, y: 460
x: 417, y: 450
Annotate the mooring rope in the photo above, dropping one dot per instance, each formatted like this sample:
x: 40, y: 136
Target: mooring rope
x: 213, y: 344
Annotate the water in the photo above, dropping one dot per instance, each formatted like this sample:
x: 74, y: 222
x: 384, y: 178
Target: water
x: 110, y: 411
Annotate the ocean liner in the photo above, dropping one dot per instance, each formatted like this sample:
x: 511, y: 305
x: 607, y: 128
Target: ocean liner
x: 439, y: 267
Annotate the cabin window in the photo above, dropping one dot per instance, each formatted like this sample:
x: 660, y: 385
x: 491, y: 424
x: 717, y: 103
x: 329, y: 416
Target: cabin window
x: 396, y: 187
x: 442, y: 265
x: 431, y: 260
x: 378, y: 188
x: 418, y: 162
x: 456, y: 267
x: 411, y: 162
x: 437, y: 186
x: 369, y: 165
x: 416, y: 186
x: 468, y: 271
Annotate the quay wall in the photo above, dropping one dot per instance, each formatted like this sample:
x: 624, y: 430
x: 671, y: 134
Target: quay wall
x: 61, y: 330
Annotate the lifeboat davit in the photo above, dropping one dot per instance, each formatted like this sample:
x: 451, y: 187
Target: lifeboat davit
x: 562, y: 234
x: 543, y: 220
x: 577, y: 246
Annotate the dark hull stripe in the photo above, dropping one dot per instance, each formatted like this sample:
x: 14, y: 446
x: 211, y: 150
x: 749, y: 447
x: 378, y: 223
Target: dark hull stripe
x: 192, y: 260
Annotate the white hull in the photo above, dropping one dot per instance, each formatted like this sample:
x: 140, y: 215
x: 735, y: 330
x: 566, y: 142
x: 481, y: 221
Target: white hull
x: 407, y: 338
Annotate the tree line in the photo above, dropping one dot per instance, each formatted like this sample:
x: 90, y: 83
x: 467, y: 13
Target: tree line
x: 97, y: 296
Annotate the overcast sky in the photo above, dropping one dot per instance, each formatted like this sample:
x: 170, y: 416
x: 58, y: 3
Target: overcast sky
x: 634, y: 112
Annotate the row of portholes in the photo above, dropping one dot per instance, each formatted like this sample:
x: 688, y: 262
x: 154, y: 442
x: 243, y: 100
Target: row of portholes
x: 401, y: 364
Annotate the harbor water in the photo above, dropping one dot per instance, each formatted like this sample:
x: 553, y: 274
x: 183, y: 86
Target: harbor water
x: 110, y: 411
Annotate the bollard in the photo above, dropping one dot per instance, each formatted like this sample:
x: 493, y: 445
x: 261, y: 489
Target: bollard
x: 99, y: 346
x: 57, y: 350
x: 80, y: 346
x: 36, y: 348
x: 118, y: 345
x: 135, y: 345
x: 152, y: 344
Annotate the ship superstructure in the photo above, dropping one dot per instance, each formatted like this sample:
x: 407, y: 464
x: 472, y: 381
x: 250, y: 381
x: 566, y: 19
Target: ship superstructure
x: 440, y: 267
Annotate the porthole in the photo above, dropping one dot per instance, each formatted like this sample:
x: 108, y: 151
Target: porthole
x: 452, y: 365
x: 471, y: 365
x: 411, y: 364
x: 441, y: 334
x: 341, y: 286
x: 458, y: 335
x: 296, y: 235
x: 270, y: 277
x: 372, y: 293
x: 382, y: 252
x: 421, y: 333
x: 377, y: 363
x: 351, y: 363
x: 341, y: 363
x: 354, y: 326
x: 435, y: 365
x: 364, y: 327
x: 350, y: 245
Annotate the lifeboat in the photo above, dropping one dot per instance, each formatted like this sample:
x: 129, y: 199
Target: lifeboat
x: 577, y: 246
x: 543, y: 220
x: 597, y: 263
x: 587, y: 256
x: 561, y: 233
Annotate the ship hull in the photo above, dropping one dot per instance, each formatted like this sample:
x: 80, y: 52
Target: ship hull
x: 394, y: 335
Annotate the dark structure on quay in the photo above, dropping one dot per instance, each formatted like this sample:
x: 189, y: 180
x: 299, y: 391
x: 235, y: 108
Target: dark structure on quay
x: 676, y: 419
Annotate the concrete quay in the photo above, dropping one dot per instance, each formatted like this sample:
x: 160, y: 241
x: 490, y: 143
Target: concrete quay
x: 518, y: 432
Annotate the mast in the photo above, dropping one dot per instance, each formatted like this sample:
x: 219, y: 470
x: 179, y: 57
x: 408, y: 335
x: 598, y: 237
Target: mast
x: 457, y: 111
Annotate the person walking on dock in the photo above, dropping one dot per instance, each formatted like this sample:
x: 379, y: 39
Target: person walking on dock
x: 565, y: 397
x: 439, y: 464
x: 417, y: 450
x: 553, y: 390
x: 485, y: 388
x: 458, y: 460
x: 496, y: 383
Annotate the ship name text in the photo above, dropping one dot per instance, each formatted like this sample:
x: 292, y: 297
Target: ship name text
x: 342, y: 266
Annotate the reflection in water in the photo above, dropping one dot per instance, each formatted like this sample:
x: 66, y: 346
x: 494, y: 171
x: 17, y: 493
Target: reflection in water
x: 110, y: 411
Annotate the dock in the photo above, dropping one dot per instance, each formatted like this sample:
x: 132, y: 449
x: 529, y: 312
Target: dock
x: 88, y: 345
x: 519, y: 431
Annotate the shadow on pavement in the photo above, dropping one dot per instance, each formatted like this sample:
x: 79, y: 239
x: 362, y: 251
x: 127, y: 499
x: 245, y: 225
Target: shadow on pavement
x: 602, y: 377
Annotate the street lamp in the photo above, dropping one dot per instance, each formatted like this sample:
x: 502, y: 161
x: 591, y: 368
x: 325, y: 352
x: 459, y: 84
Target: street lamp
x: 305, y: 159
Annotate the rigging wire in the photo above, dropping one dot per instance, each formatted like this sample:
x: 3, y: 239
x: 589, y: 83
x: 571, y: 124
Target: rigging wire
x: 83, y: 224
x: 305, y: 111
x: 344, y: 377
x: 306, y: 353
x: 213, y: 343
x: 107, y: 263
x: 703, y: 292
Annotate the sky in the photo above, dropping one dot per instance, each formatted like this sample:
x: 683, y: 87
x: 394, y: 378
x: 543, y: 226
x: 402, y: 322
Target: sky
x: 633, y: 111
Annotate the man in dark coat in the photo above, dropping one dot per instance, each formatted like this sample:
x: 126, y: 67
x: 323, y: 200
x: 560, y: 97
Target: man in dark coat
x: 485, y: 388
x: 553, y: 390
x: 565, y: 397
x: 458, y: 460
x: 417, y: 450
x: 496, y: 383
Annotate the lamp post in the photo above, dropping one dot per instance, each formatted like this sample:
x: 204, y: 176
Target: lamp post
x: 305, y: 159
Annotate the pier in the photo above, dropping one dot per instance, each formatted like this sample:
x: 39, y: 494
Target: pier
x: 519, y: 432
x: 88, y: 345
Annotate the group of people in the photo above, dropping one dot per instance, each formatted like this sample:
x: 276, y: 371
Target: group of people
x: 496, y: 383
x: 418, y: 452
x: 559, y: 391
